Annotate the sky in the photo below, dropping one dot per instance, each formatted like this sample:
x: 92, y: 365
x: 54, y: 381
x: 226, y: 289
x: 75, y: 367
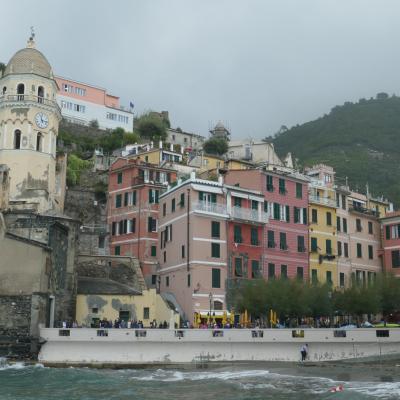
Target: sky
x: 255, y: 65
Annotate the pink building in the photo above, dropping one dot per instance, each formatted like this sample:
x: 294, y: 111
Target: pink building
x: 199, y: 223
x: 285, y: 236
x: 391, y: 242
x: 82, y: 103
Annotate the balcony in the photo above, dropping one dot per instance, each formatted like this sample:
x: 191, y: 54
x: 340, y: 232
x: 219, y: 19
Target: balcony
x: 325, y: 201
x: 209, y: 207
x: 23, y: 99
x: 248, y: 214
x: 363, y: 210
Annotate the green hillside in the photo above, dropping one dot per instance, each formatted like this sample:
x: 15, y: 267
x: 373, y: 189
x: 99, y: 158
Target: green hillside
x: 360, y: 140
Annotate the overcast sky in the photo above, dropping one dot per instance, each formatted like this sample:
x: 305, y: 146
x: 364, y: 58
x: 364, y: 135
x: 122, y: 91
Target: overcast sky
x: 253, y: 64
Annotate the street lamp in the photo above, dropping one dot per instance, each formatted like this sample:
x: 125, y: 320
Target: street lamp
x: 210, y: 296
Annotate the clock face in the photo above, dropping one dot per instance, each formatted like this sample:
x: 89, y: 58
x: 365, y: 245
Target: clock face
x: 42, y: 120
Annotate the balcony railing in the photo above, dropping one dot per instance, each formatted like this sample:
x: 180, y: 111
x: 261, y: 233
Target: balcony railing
x: 27, y: 98
x: 326, y: 201
x: 249, y: 214
x: 363, y: 210
x: 209, y: 207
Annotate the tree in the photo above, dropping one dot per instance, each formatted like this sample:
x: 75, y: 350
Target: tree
x: 216, y: 146
x: 150, y: 127
x: 94, y: 124
x: 75, y: 166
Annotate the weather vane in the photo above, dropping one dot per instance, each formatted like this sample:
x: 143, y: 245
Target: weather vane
x: 32, y: 33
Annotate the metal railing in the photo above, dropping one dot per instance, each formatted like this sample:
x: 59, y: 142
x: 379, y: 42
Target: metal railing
x: 28, y: 98
x: 364, y: 210
x: 249, y: 214
x: 210, y: 207
x: 326, y: 201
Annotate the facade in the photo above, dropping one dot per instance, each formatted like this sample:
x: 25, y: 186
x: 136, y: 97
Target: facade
x: 4, y: 187
x: 254, y: 151
x: 391, y: 242
x: 158, y: 156
x: 322, y: 224
x: 285, y: 237
x: 187, y: 141
x: 83, y: 103
x: 100, y: 299
x: 29, y: 119
x: 133, y: 211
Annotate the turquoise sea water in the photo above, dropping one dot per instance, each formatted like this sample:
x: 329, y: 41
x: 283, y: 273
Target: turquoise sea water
x: 235, y: 381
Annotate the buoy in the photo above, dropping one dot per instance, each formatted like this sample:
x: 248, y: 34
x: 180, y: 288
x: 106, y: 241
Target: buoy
x: 336, y: 389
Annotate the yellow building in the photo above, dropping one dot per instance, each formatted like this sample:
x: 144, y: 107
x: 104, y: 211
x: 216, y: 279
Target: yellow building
x: 322, y: 226
x: 98, y: 299
x: 238, y: 164
x: 158, y: 155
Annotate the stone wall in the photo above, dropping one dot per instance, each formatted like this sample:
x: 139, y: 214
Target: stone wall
x: 15, y: 322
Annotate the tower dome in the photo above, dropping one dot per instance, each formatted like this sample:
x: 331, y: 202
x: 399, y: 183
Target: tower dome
x: 29, y: 61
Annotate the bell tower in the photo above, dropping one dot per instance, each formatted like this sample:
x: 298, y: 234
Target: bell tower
x: 29, y: 120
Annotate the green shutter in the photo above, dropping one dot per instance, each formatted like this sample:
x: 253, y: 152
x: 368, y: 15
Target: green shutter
x: 157, y: 196
x: 201, y: 196
x: 305, y: 216
x: 254, y: 236
x: 118, y: 200
x: 299, y: 190
x: 238, y: 266
x: 314, y: 244
x: 213, y: 197
x: 151, y: 197
x: 153, y: 251
x: 266, y: 206
x: 328, y: 246
x: 287, y: 213
x: 387, y: 232
x: 215, y: 250
x: 271, y: 239
x: 277, y: 213
x: 237, y: 234
x: 296, y: 212
x: 215, y: 229
x: 216, y: 278
x: 134, y: 198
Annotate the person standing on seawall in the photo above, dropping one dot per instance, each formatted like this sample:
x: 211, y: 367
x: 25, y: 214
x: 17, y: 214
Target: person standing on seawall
x: 304, y: 352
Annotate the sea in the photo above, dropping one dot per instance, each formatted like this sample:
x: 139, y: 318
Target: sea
x: 252, y: 381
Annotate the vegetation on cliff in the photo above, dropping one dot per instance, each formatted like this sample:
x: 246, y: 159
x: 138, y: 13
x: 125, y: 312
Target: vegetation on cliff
x: 360, y: 140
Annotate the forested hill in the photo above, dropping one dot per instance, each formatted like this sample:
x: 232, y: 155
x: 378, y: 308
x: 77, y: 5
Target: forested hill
x: 360, y: 140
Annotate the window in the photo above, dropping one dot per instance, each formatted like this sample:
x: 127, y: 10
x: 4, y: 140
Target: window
x: 153, y: 251
x: 182, y: 200
x: 146, y: 313
x: 215, y: 250
x: 215, y: 232
x: 17, y: 139
x: 305, y: 216
x: 113, y: 228
x: 237, y: 202
x: 341, y: 279
x: 339, y: 249
x: 338, y: 224
x: 328, y: 218
x: 277, y: 211
x: 271, y: 239
x: 358, y: 225
x: 153, y: 279
x: 270, y: 185
x: 216, y: 278
x: 117, y: 250
x: 359, y: 250
x: 238, y: 266
x: 296, y: 215
x: 370, y: 252
x: 188, y: 280
x: 314, y: 276
x: 95, y: 310
x: 153, y: 196
x: 301, y: 248
x: 287, y: 213
x: 282, y: 241
x: 119, y: 177
x: 370, y: 228
x: 346, y: 249
x: 282, y: 186
x: 167, y: 281
x: 314, y: 216
x: 152, y: 225
x: 173, y: 205
x: 183, y: 251
x: 328, y: 244
x: 118, y: 200
x: 254, y: 237
x: 329, y: 277
x: 165, y: 258
x: 237, y: 234
x: 164, y: 209
x: 395, y: 258
x: 271, y: 270
x: 39, y: 140
x: 314, y: 244
x: 299, y: 190
x: 266, y: 207
x: 344, y: 225
x: 20, y: 91
x: 255, y: 269
x: 300, y: 273
x: 387, y: 228
x: 254, y: 205
x: 284, y: 272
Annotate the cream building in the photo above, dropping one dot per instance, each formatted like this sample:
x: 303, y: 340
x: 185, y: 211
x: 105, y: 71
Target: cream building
x: 29, y: 119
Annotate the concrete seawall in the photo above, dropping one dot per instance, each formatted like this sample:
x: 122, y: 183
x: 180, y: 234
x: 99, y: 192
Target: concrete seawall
x: 82, y: 346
